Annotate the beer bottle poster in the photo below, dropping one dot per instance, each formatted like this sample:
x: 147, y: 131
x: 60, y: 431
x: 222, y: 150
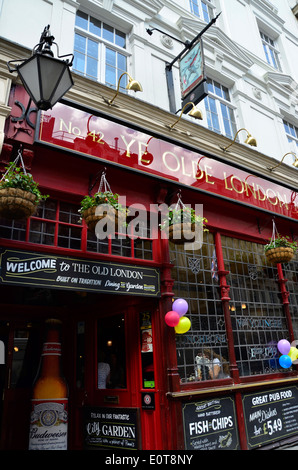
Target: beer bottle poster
x: 210, y: 425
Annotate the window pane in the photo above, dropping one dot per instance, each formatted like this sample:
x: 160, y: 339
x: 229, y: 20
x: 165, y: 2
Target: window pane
x: 110, y: 57
x: 92, y: 48
x: 95, y: 26
x: 91, y: 67
x: 80, y: 43
x: 111, y: 352
x: 108, y: 33
x: 82, y: 20
x: 120, y: 39
x: 121, y: 62
x: 110, y: 76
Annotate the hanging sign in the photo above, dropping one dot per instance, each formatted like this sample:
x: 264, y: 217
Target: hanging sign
x: 270, y: 416
x: 192, y: 79
x: 210, y: 425
x: 51, y: 271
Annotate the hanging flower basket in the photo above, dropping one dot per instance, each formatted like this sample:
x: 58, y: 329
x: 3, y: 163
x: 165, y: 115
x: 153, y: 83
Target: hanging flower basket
x: 19, y: 193
x: 280, y: 249
x: 112, y: 211
x: 182, y: 224
x: 88, y: 213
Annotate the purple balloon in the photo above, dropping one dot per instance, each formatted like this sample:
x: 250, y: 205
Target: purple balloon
x: 283, y: 346
x: 180, y: 306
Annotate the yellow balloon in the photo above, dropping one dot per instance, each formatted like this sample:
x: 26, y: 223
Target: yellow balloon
x: 183, y: 325
x: 293, y: 353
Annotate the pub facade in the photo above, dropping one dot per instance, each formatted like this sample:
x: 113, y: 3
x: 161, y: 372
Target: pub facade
x: 217, y: 386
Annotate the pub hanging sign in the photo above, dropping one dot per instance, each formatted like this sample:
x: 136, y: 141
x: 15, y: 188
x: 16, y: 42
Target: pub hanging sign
x: 52, y: 271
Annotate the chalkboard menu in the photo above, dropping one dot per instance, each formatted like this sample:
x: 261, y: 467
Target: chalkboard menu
x: 210, y: 425
x: 51, y: 271
x: 111, y: 428
x: 270, y: 415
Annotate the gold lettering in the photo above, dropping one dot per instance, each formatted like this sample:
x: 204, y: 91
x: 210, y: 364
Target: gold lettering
x: 164, y: 159
x: 183, y: 168
x: 234, y: 177
x: 208, y: 175
x: 282, y: 201
x: 259, y: 194
x: 226, y: 182
x: 62, y: 123
x: 128, y: 145
x: 251, y: 188
x: 269, y: 197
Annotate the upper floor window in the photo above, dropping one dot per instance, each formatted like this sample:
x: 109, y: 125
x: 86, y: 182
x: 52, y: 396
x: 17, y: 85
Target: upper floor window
x: 99, y: 50
x: 219, y: 109
x: 202, y: 9
x: 271, y: 52
x: 292, y: 133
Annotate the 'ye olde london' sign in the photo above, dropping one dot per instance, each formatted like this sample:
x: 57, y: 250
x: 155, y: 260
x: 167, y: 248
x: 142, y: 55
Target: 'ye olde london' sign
x: 98, y: 138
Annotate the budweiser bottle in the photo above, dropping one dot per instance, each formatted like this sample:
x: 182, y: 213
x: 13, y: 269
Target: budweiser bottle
x: 49, y: 410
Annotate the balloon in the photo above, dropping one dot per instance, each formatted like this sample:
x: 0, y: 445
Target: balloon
x: 283, y: 346
x: 293, y: 354
x: 285, y: 361
x: 180, y: 306
x: 172, y: 318
x: 183, y: 325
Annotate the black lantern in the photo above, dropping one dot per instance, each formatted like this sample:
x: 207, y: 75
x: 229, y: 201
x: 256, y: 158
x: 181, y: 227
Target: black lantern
x: 45, y: 78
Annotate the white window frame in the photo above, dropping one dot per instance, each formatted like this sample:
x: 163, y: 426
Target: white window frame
x: 103, y: 45
x: 218, y: 102
x: 291, y: 133
x: 271, y: 52
x: 197, y: 9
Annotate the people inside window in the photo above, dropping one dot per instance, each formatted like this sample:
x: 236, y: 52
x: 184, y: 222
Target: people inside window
x: 209, y: 366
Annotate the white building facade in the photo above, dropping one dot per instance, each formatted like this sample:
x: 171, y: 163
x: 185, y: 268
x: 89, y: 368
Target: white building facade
x: 239, y: 305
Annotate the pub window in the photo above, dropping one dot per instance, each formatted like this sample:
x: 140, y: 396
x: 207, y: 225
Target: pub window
x: 219, y: 109
x: 202, y: 352
x: 134, y: 245
x: 111, y: 352
x: 256, y: 310
x: 57, y: 223
x: 99, y: 50
x: 290, y: 271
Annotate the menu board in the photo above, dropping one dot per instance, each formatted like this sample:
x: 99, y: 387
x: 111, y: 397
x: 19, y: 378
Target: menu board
x: 111, y: 428
x: 270, y: 415
x: 210, y: 425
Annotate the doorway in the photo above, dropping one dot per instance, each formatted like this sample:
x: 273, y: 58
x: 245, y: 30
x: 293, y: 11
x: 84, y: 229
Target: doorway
x: 96, y: 329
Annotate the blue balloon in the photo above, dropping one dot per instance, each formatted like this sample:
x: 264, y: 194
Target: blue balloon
x: 285, y: 361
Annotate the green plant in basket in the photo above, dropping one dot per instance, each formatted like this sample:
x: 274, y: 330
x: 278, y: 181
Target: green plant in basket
x: 16, y: 178
x: 280, y: 250
x: 184, y: 215
x: 106, y: 198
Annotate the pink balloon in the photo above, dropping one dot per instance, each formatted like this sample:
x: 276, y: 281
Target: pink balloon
x: 172, y: 318
x: 180, y: 306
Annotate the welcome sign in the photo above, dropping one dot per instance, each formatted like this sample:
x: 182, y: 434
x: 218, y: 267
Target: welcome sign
x: 99, y: 138
x: 46, y: 270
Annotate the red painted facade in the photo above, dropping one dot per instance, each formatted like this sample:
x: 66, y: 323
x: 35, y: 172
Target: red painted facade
x: 67, y: 157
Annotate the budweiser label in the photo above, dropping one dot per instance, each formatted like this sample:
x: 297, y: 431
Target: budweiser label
x: 51, y: 349
x: 48, y: 425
